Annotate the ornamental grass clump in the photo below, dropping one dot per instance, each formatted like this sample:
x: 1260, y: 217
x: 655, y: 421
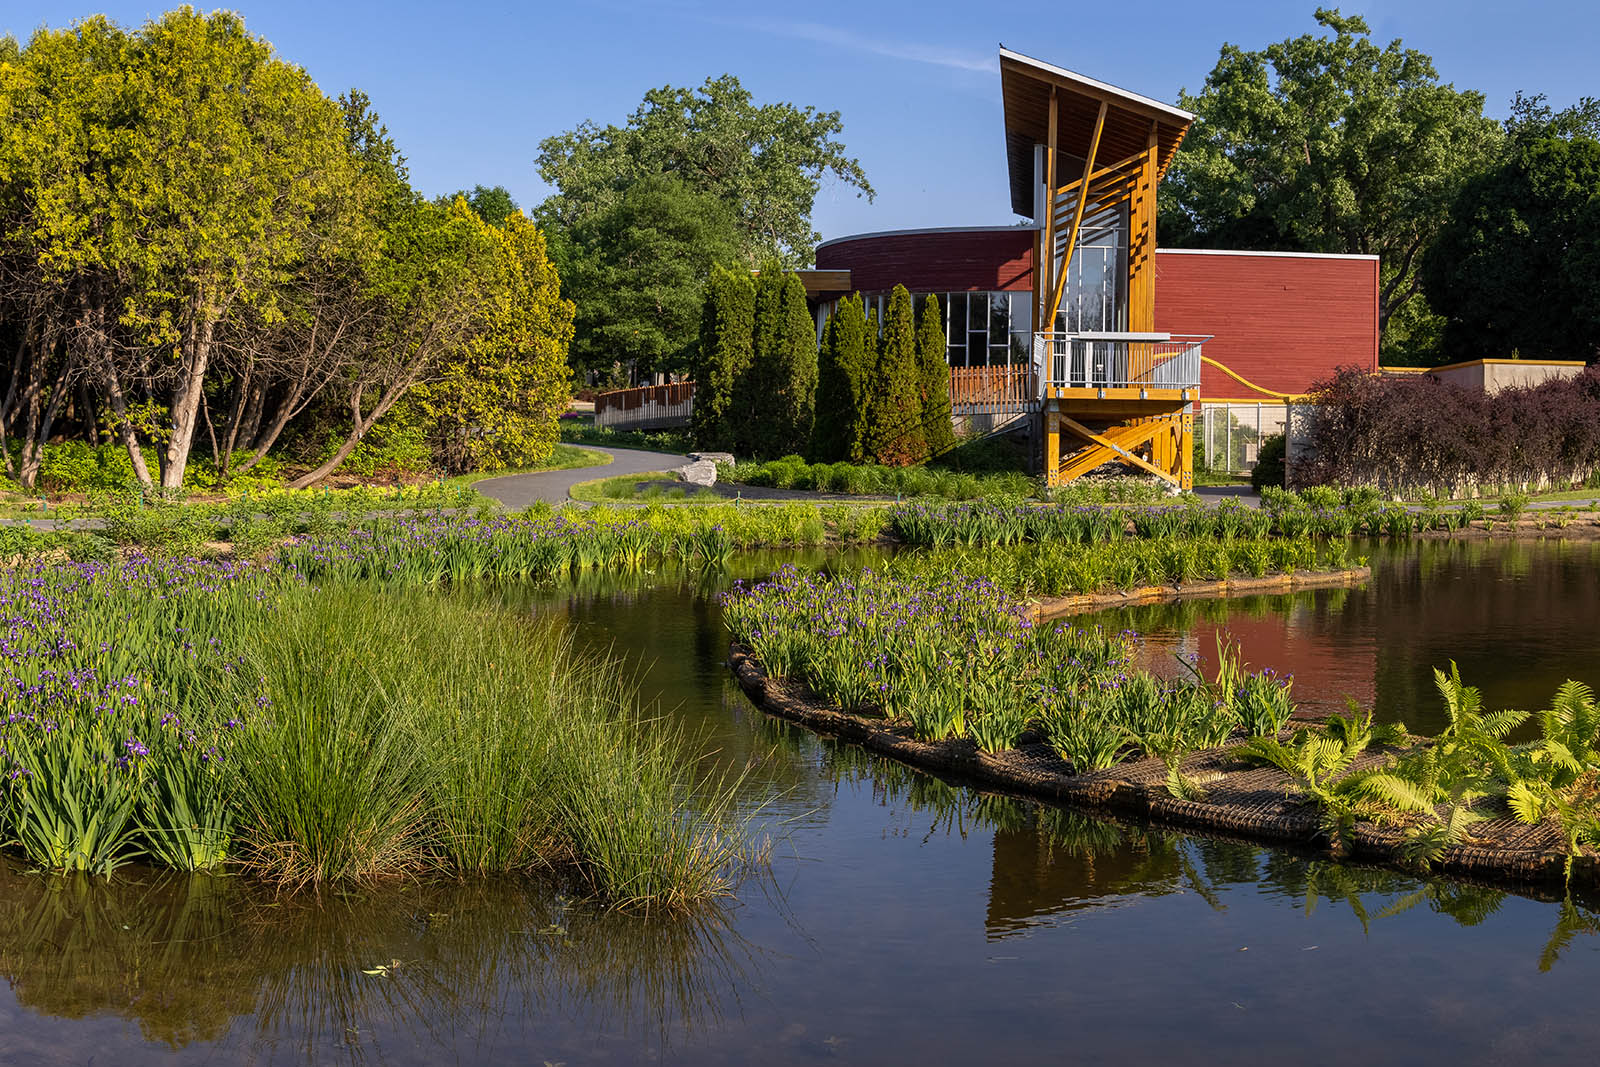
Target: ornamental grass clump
x: 196, y: 714
x: 958, y: 657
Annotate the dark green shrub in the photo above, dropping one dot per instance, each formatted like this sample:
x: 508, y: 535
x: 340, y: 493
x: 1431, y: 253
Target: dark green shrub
x: 1270, y: 468
x: 894, y: 435
x: 722, y: 356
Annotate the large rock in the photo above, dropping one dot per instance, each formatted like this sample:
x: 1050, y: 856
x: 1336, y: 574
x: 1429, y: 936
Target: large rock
x: 712, y: 457
x: 700, y: 472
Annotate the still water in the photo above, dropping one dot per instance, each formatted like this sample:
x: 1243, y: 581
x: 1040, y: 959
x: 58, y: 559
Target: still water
x: 905, y: 920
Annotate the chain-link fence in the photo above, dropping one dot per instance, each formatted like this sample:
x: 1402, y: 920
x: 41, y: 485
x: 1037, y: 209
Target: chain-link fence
x: 1230, y: 433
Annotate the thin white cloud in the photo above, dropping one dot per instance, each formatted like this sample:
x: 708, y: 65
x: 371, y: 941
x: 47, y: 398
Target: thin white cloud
x: 951, y: 58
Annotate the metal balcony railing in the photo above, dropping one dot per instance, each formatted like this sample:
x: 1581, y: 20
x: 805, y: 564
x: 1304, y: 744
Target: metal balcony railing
x: 1117, y: 360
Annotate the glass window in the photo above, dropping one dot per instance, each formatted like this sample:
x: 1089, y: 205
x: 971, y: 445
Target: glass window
x: 956, y: 324
x: 999, y: 317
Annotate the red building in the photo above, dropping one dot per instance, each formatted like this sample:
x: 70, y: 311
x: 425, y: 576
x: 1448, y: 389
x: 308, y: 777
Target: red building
x: 1279, y: 320
x: 1075, y: 318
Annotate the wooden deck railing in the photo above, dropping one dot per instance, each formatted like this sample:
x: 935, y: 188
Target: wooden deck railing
x: 997, y: 390
x: 1005, y: 389
x: 646, y: 405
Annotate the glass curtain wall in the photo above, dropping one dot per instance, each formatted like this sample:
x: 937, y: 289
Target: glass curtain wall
x: 1096, y: 295
x: 983, y: 329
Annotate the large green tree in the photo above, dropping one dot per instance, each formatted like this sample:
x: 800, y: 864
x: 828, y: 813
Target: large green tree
x: 640, y: 210
x: 197, y: 245
x: 494, y: 401
x: 767, y: 161
x: 636, y: 270
x: 1327, y: 143
x: 1517, y: 269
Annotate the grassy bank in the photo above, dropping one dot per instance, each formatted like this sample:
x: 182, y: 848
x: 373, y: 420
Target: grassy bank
x: 638, y: 487
x: 201, y: 714
x: 961, y: 658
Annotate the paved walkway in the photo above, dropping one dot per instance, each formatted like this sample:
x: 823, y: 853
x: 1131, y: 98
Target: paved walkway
x: 517, y: 491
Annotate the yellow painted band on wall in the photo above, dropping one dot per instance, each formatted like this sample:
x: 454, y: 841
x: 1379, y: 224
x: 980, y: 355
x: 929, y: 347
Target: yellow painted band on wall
x: 1252, y: 385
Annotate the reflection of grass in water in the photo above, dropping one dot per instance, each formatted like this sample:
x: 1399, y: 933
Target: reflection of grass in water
x: 187, y: 958
x: 1119, y: 858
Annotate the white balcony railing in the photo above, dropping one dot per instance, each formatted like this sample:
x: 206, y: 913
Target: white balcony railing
x: 1117, y: 360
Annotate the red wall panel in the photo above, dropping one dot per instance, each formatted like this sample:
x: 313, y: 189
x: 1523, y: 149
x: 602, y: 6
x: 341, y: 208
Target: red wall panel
x: 1284, y: 322
x: 935, y: 261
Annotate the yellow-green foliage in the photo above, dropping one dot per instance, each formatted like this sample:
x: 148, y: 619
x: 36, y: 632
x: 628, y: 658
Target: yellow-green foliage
x: 496, y: 403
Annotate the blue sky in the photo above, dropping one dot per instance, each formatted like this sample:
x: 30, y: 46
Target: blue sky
x: 468, y: 89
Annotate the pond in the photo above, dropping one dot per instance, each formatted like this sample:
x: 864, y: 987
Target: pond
x: 905, y: 919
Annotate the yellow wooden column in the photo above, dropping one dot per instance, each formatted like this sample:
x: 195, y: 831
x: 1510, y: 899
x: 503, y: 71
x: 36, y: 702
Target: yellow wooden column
x: 1186, y: 451
x: 1052, y: 447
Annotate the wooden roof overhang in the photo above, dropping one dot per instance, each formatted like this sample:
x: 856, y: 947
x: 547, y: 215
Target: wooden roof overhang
x: 820, y: 284
x: 1131, y: 121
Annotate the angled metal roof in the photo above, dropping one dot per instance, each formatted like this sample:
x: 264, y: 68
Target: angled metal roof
x: 1025, y: 86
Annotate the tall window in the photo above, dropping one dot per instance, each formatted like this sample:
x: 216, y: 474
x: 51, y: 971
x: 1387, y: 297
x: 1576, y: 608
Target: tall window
x: 980, y: 329
x: 987, y: 329
x: 1096, y: 296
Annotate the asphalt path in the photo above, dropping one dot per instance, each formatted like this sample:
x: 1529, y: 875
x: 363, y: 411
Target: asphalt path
x: 517, y: 491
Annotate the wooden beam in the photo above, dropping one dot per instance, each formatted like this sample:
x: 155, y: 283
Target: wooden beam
x: 1138, y: 437
x: 1077, y: 216
x: 1100, y: 172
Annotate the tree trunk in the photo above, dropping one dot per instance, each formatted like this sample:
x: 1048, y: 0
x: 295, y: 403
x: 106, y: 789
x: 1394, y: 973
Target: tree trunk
x: 33, y: 450
x: 358, y: 431
x: 186, y: 398
x: 6, y: 409
x: 241, y: 392
x: 124, y: 427
x: 268, y: 435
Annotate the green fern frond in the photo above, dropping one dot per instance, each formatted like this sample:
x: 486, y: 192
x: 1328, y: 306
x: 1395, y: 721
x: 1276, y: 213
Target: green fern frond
x: 1526, y: 803
x: 1393, y: 791
x: 1500, y: 723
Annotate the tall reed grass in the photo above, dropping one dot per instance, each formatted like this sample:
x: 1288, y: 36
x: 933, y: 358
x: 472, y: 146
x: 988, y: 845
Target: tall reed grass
x: 201, y: 713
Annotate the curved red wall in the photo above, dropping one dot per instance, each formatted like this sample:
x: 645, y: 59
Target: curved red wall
x: 935, y: 261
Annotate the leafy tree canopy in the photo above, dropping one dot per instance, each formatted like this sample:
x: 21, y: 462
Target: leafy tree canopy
x: 1517, y: 269
x: 1532, y: 119
x: 767, y: 161
x: 1327, y: 143
x: 493, y: 206
x: 636, y: 270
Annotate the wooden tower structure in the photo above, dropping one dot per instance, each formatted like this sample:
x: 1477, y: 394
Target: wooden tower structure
x: 1084, y: 160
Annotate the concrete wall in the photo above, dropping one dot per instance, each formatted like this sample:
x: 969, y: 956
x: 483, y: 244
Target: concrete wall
x: 1493, y: 375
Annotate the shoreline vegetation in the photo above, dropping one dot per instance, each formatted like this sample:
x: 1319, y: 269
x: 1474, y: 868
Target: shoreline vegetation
x: 959, y: 677
x: 199, y: 710
x: 201, y: 714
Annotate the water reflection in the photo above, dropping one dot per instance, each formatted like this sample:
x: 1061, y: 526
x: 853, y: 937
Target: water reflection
x: 1520, y: 617
x: 1048, y: 862
x: 440, y: 965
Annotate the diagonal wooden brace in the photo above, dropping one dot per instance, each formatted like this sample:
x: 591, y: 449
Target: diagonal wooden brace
x: 1127, y: 439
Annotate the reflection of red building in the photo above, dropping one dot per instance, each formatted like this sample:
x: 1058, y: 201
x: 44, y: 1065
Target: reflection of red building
x: 1324, y: 639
